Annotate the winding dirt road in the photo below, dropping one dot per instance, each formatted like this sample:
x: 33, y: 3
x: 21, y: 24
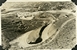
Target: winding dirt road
x: 22, y: 39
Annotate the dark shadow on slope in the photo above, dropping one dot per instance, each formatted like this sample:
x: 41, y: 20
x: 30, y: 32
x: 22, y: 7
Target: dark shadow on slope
x: 39, y: 39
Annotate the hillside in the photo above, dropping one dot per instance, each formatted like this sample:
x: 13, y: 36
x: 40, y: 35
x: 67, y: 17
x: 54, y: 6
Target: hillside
x: 30, y: 21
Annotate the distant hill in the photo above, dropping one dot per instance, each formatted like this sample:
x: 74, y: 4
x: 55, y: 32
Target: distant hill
x: 40, y: 6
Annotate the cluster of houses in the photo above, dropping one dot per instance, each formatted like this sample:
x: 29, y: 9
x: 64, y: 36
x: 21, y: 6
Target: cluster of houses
x: 25, y: 15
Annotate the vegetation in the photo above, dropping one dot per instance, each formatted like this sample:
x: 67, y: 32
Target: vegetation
x: 13, y: 27
x: 41, y: 6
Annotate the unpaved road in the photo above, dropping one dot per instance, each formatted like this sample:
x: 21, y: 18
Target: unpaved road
x: 22, y: 39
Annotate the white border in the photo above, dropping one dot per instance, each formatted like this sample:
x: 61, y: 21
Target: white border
x: 76, y: 24
x: 0, y: 25
x: 33, y: 0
